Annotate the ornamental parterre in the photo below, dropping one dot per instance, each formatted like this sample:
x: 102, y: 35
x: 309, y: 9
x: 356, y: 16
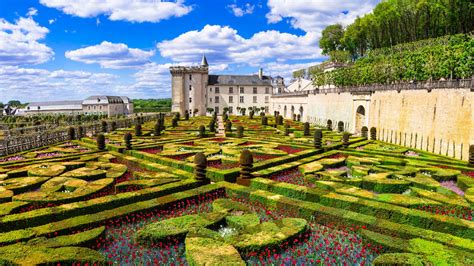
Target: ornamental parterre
x: 368, y: 203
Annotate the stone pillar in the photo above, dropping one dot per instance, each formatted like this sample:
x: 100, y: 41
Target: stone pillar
x: 246, y: 164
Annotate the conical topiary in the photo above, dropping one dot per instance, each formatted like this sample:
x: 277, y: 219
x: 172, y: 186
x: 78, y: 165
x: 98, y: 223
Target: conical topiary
x: 264, y: 121
x: 71, y: 133
x: 240, y: 131
x: 202, y: 131
x: 157, y: 129
x: 101, y: 142
x: 246, y: 165
x: 104, y: 126
x: 318, y: 136
x: 364, y: 132
x: 306, y: 129
x: 127, y: 138
x: 373, y: 133
x: 345, y: 139
x: 228, y: 126
x: 212, y: 125
x: 287, y: 129
x: 329, y: 125
x: 200, y: 161
x: 138, y: 130
x: 80, y: 132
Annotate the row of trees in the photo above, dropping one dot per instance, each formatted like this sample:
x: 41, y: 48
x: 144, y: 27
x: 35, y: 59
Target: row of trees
x: 152, y: 105
x: 397, y: 21
x: 447, y: 57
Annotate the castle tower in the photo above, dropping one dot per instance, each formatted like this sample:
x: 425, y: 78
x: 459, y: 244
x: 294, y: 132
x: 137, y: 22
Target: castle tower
x: 188, y: 86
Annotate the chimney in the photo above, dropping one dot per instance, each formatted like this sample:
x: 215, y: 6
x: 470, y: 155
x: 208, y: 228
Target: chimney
x: 260, y: 73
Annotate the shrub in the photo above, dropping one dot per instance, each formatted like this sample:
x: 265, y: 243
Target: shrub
x: 264, y: 121
x: 306, y: 129
x: 345, y: 139
x: 157, y: 129
x: 80, y: 132
x: 240, y: 131
x: 373, y: 133
x: 71, y: 134
x: 174, y: 121
x: 138, y: 130
x: 251, y: 114
x: 212, y: 125
x: 186, y: 115
x: 318, y: 136
x: 279, y: 120
x: 329, y: 125
x: 127, y: 138
x: 202, y: 131
x: 228, y: 126
x: 364, y: 131
x: 101, y: 142
x: 287, y: 129
x: 104, y: 126
x: 113, y: 126
x: 294, y: 117
x: 225, y: 117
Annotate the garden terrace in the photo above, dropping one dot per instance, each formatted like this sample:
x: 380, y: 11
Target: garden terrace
x: 358, y: 202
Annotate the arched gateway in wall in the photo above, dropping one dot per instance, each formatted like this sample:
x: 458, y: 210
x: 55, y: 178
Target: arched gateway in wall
x: 360, y: 120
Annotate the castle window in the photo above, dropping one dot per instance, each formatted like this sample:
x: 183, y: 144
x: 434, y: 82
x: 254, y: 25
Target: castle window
x: 190, y: 77
x: 231, y: 109
x: 241, y: 89
x: 231, y: 99
x: 231, y: 90
x: 210, y: 89
x: 267, y: 90
x: 216, y: 99
x: 190, y: 99
x: 254, y: 90
x: 217, y: 89
x: 266, y: 99
x: 241, y: 99
x: 254, y: 99
x: 210, y: 99
x: 190, y: 88
x: 216, y: 109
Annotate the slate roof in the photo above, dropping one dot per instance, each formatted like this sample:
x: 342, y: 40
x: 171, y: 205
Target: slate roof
x: 244, y: 80
x: 55, y: 103
x: 102, y: 99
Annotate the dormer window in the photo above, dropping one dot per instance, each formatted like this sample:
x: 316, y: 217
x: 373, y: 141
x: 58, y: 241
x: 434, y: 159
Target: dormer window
x: 98, y: 100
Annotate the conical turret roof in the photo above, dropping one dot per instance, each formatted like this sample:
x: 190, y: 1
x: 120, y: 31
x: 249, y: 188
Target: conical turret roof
x: 204, y: 61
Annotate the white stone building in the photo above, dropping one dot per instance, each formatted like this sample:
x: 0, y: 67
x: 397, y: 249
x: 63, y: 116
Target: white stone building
x: 194, y: 89
x: 99, y: 105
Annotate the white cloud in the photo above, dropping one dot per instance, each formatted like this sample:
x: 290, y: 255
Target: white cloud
x: 19, y: 42
x: 241, y: 11
x: 315, y: 15
x: 128, y: 10
x: 223, y: 45
x: 51, y: 21
x: 111, y: 55
x: 29, y: 84
x: 32, y: 12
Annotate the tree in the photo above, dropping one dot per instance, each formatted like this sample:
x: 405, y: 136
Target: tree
x: 331, y: 39
x: 14, y: 103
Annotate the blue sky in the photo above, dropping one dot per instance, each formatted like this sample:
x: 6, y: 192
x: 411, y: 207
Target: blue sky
x: 70, y: 49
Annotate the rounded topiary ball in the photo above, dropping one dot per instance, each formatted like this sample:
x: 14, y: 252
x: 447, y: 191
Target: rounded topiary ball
x: 200, y: 160
x: 246, y: 158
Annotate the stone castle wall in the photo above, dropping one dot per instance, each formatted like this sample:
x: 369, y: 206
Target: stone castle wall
x: 437, y: 120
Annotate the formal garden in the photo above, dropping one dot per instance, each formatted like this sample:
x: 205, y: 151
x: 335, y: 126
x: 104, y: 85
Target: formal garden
x: 255, y: 190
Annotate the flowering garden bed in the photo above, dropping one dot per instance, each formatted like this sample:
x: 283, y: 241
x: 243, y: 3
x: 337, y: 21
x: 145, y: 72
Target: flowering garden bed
x: 373, y: 203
